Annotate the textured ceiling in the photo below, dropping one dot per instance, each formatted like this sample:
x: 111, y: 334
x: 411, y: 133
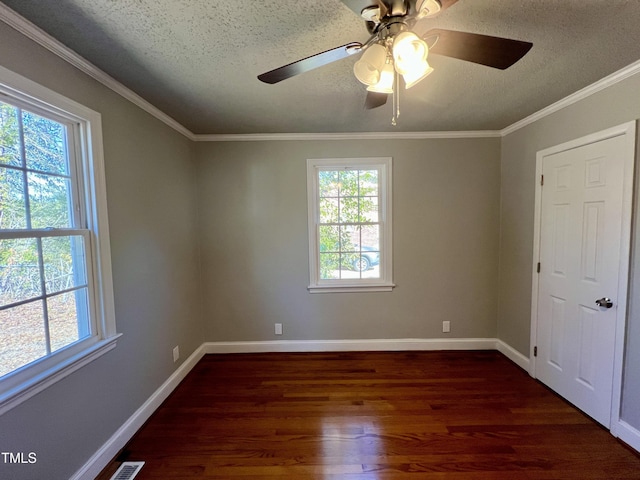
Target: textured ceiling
x: 197, y: 60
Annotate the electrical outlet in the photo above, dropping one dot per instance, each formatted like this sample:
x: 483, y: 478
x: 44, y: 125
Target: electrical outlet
x: 278, y: 329
x: 176, y: 353
x: 446, y: 326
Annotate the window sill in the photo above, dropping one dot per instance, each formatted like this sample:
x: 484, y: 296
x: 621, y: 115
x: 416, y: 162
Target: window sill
x: 27, y: 389
x: 347, y: 288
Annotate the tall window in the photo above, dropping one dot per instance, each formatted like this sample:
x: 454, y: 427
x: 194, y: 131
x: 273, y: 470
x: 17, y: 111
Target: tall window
x: 55, y: 298
x: 349, y: 224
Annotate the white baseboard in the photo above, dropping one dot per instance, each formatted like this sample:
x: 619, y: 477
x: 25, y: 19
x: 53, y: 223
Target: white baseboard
x: 352, y: 345
x: 118, y: 440
x: 627, y: 434
x: 513, y: 355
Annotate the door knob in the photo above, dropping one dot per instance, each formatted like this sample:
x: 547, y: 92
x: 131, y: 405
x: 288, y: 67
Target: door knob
x: 604, y: 302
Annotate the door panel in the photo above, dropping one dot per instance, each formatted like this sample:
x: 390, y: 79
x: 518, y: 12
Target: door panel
x: 580, y: 241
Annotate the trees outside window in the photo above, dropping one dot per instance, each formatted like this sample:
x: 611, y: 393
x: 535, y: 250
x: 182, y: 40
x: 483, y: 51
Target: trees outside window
x: 56, y: 305
x: 349, y: 224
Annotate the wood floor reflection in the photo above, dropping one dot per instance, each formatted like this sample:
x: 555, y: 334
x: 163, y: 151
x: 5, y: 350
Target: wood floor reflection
x: 374, y: 416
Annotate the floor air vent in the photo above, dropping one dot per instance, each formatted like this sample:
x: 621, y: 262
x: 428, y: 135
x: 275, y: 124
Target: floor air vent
x: 127, y: 471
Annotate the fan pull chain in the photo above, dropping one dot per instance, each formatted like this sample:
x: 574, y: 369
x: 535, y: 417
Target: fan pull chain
x: 396, y: 99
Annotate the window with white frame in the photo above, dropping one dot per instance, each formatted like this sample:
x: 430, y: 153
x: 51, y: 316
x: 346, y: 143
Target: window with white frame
x: 56, y: 300
x: 349, y: 202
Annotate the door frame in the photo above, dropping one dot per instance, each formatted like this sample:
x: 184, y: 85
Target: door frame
x: 628, y: 130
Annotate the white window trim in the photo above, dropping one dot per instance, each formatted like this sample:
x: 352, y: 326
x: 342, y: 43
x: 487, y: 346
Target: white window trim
x: 385, y: 282
x: 17, y: 387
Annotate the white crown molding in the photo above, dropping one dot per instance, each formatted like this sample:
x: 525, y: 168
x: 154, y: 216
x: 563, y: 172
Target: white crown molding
x: 587, y: 91
x: 258, y: 137
x: 45, y: 40
x: 39, y: 36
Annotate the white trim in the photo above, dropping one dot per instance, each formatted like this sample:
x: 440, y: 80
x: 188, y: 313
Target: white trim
x: 627, y: 433
x: 533, y: 334
x: 512, y: 354
x: 384, y: 166
x: 256, y: 137
x: 39, y: 36
x: 586, y: 92
x: 45, y: 40
x: 355, y: 288
x: 359, y: 345
x: 36, y: 384
x: 87, y: 125
x: 628, y: 130
x: 99, y: 460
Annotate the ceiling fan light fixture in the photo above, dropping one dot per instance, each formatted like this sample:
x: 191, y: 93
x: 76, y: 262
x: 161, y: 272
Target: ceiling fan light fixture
x: 415, y: 75
x: 427, y: 8
x: 387, y: 78
x: 369, y: 68
x: 409, y: 51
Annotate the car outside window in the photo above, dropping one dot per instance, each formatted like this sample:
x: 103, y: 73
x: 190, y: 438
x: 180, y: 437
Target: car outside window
x: 350, y: 230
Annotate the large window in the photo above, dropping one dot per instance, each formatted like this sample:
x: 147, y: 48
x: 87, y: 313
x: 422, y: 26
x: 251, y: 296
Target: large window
x: 349, y: 224
x: 56, y: 306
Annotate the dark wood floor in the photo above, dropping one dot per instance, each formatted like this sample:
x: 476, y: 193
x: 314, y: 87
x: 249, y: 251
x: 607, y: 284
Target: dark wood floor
x: 374, y: 416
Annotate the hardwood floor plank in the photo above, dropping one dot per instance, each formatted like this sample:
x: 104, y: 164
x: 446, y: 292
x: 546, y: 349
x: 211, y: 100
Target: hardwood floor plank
x: 372, y: 416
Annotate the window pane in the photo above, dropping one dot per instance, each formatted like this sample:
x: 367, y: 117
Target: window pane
x: 369, y: 209
x: 328, y: 210
x: 19, y: 270
x: 371, y: 237
x: 64, y: 263
x: 49, y: 200
x: 45, y: 144
x: 68, y: 318
x: 370, y: 254
x: 329, y: 238
x: 348, y: 183
x: 9, y: 135
x: 328, y: 183
x: 368, y: 183
x: 349, y: 238
x: 22, y: 337
x: 329, y: 266
x: 13, y: 213
x: 348, y: 209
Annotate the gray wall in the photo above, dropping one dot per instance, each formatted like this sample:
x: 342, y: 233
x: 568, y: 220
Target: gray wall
x: 463, y: 221
x: 254, y: 241
x: 613, y: 106
x: 151, y: 202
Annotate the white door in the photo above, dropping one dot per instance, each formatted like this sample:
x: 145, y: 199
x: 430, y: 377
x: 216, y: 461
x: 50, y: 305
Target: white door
x: 581, y: 235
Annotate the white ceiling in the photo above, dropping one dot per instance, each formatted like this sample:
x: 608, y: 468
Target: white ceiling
x: 197, y: 60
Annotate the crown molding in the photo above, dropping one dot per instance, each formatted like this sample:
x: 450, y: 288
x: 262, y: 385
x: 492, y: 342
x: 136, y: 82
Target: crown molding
x: 33, y: 32
x: 258, y: 137
x: 586, y: 92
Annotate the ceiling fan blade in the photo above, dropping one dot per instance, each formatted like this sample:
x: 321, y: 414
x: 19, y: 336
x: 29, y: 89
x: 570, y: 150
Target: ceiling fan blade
x: 493, y: 52
x: 309, y: 63
x: 375, y: 100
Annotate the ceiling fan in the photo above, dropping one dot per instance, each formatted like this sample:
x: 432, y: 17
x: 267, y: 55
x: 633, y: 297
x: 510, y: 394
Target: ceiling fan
x: 394, y: 55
